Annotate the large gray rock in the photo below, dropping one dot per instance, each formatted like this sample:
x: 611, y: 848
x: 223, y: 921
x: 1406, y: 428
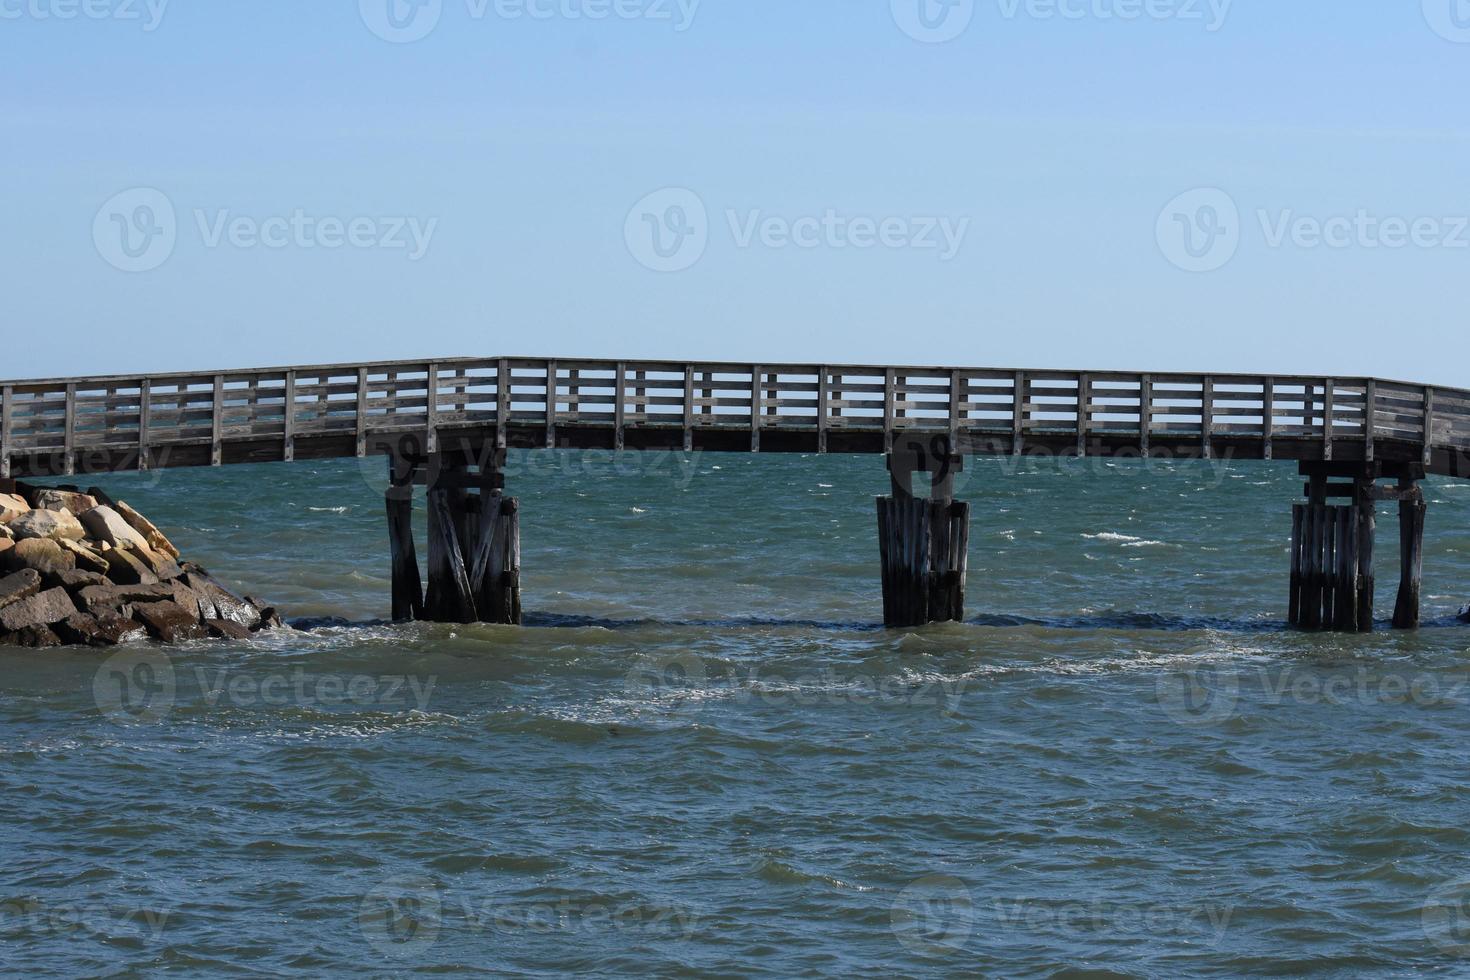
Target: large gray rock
x: 107, y: 630
x: 226, y: 604
x: 47, y: 524
x: 106, y: 524
x: 169, y: 621
x: 119, y: 599
x: 19, y: 585
x: 41, y: 609
x: 69, y: 500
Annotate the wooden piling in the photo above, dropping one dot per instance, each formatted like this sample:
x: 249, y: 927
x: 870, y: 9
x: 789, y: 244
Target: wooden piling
x: 1412, y: 512
x: 408, y: 593
x: 923, y: 549
x: 449, y: 599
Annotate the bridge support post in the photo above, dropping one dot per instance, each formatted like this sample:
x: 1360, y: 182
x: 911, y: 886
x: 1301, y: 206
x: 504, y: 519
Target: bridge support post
x: 1412, y: 511
x: 923, y: 542
x: 1332, y: 577
x: 1332, y: 546
x: 474, y: 540
x: 408, y: 592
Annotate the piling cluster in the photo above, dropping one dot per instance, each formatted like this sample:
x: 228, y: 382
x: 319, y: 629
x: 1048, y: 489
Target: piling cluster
x: 82, y: 569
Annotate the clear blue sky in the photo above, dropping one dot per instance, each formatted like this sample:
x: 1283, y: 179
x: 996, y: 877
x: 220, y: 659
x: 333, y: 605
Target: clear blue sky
x: 522, y: 144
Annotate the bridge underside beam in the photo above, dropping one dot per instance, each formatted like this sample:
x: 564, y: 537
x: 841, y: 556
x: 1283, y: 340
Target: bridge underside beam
x: 732, y: 438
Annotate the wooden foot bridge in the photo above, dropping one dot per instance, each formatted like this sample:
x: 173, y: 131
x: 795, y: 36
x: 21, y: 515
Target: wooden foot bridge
x: 445, y: 425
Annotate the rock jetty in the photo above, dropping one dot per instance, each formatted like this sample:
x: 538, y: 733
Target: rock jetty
x: 81, y: 569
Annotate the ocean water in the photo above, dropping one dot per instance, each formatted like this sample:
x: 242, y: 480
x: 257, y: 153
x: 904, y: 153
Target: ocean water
x: 704, y: 757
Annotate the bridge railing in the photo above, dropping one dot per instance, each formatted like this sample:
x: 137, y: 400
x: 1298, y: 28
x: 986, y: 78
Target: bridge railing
x: 74, y: 416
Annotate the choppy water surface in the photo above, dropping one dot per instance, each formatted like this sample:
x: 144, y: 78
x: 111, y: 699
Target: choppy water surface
x: 705, y: 758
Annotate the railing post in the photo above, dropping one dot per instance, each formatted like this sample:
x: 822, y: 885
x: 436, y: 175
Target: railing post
x: 216, y: 424
x: 362, y: 412
x: 503, y: 382
x: 1145, y: 412
x: 620, y: 398
x: 956, y: 409
x: 69, y: 463
x: 755, y: 408
x: 431, y: 407
x: 1207, y: 415
x: 551, y: 370
x: 1370, y: 417
x: 1428, y: 425
x: 7, y: 402
x: 1268, y: 415
x: 288, y: 449
x: 1018, y: 412
x: 145, y: 412
x: 1084, y: 387
x: 688, y: 408
x: 890, y: 417
x: 1329, y: 392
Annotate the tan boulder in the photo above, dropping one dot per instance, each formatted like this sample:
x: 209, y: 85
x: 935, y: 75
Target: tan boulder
x: 69, y: 500
x: 11, y: 507
x: 107, y: 525
x: 54, y: 524
x: 87, y: 559
x: 44, y: 555
x: 145, y: 527
x: 124, y: 568
x: 6, y: 544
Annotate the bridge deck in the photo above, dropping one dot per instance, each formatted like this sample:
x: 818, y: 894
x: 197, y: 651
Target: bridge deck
x: 102, y: 424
